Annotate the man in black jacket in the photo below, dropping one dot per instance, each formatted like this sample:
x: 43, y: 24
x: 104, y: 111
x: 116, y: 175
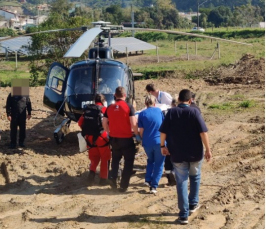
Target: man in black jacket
x: 17, y: 105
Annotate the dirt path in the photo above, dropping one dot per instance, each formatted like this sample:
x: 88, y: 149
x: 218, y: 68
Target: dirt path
x: 44, y: 186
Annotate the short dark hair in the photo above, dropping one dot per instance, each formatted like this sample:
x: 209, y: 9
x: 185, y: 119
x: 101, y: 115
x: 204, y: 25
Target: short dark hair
x: 150, y: 87
x: 120, y: 92
x: 174, y: 103
x: 185, y: 95
x: 99, y: 98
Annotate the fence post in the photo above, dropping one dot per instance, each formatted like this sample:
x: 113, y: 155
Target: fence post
x: 187, y: 52
x: 127, y: 55
x: 16, y: 55
x: 157, y: 53
x: 219, y: 53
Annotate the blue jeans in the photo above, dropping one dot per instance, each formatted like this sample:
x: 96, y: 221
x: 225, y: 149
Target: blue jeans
x: 155, y: 163
x: 183, y: 171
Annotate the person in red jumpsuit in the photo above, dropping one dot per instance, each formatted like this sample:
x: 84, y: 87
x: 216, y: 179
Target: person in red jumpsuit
x: 100, y: 151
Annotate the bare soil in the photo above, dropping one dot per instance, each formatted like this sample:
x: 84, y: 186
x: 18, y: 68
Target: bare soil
x: 45, y: 185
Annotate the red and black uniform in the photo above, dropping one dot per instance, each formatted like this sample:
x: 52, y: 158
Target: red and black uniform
x: 121, y: 139
x: 101, y: 151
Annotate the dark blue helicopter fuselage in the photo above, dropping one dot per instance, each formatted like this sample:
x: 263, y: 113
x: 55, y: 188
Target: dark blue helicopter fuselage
x: 68, y: 90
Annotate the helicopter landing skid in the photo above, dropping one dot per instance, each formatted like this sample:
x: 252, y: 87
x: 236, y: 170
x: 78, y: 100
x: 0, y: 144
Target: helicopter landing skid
x: 62, y: 130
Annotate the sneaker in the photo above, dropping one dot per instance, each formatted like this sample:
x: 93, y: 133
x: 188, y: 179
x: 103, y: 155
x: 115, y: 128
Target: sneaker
x: 153, y: 190
x: 122, y: 190
x: 171, y: 179
x: 12, y: 146
x: 21, y: 144
x: 103, y: 182
x: 182, y: 220
x: 112, y: 183
x: 193, y: 208
x: 146, y: 183
x: 91, y: 177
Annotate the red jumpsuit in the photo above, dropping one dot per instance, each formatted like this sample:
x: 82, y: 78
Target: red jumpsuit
x: 100, y: 152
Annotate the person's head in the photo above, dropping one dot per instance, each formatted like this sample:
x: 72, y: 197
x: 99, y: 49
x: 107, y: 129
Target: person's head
x: 99, y: 98
x: 151, y: 89
x: 193, y: 95
x: 150, y: 101
x: 185, y: 96
x: 120, y: 93
x: 174, y: 103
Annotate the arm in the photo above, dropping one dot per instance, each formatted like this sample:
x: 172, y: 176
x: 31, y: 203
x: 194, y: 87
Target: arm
x: 164, y: 149
x: 29, y: 109
x: 8, y: 107
x: 205, y: 139
x: 105, y: 124
x: 134, y: 126
x: 141, y: 132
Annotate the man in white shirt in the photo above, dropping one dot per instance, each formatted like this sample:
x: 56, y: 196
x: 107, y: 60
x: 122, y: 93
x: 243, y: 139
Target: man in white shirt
x: 162, y: 97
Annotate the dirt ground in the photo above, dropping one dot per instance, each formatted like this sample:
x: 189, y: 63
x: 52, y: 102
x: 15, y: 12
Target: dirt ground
x: 45, y: 185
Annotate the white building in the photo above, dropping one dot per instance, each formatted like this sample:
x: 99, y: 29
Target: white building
x: 9, y: 15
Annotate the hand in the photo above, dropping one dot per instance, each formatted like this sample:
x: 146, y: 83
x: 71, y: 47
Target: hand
x: 28, y: 117
x: 165, y: 151
x: 138, y: 138
x: 208, y: 155
x: 9, y: 118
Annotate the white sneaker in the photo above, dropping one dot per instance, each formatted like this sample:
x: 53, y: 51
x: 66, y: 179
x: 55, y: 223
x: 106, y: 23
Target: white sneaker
x: 147, y: 183
x: 153, y: 190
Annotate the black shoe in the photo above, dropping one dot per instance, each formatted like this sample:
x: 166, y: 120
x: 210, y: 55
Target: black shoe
x: 193, y: 208
x: 112, y: 183
x: 12, y: 146
x: 21, y: 144
x: 103, y: 182
x: 91, y: 177
x: 171, y: 179
x: 122, y: 189
x: 182, y: 220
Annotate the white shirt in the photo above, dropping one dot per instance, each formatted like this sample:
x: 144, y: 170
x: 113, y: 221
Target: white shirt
x: 164, y: 98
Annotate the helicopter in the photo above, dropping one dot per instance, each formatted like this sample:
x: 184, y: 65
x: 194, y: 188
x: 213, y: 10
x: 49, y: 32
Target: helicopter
x: 68, y: 90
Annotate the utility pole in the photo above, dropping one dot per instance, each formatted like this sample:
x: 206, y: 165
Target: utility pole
x: 132, y: 21
x: 199, y: 4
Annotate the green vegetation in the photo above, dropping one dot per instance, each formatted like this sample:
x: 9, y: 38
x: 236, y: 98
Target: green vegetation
x: 233, y: 106
x: 10, y: 3
x: 247, y: 104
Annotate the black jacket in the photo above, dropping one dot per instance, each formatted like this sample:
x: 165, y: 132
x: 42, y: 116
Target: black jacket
x: 17, y: 106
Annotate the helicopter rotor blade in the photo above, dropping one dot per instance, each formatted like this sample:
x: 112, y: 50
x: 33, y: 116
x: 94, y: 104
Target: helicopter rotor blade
x: 187, y: 34
x: 45, y: 31
x: 83, y: 43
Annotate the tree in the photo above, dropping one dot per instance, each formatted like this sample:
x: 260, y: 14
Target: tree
x: 54, y: 43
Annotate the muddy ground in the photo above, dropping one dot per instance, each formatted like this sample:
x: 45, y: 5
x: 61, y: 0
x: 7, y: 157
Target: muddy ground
x: 45, y: 185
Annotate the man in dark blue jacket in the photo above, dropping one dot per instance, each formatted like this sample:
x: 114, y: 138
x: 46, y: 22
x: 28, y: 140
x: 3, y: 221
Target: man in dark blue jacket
x: 184, y: 131
x: 18, y: 109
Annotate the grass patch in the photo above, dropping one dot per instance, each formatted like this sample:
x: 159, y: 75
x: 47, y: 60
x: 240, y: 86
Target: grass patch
x: 224, y: 106
x: 247, y: 104
x: 152, y: 223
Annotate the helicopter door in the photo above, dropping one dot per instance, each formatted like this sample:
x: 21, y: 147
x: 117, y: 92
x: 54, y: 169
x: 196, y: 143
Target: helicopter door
x: 55, y: 86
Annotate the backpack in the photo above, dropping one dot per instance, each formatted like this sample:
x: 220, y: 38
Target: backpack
x: 92, y: 124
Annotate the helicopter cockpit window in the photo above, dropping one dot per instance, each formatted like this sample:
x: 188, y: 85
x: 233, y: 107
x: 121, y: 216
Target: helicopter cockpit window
x: 56, y: 72
x: 80, y: 81
x: 57, y: 84
x: 110, y: 78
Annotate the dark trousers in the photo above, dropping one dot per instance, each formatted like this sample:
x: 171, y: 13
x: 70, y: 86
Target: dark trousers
x: 122, y: 147
x: 167, y: 163
x: 14, y: 124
